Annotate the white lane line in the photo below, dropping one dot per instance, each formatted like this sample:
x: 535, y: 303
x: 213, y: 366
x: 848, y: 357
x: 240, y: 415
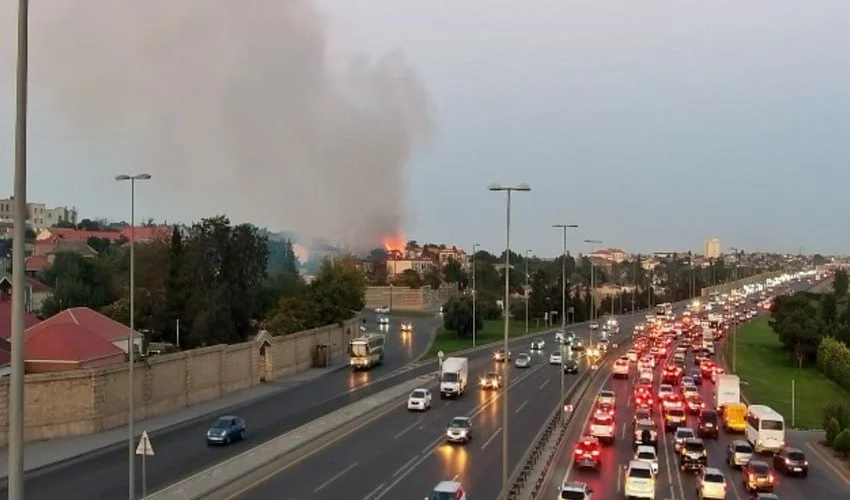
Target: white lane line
x: 411, y: 426
x: 620, y: 473
x: 334, y: 478
x: 521, y: 406
x: 410, y: 469
x: 491, y: 438
x: 545, y: 382
x: 401, y: 469
x: 623, y: 434
x: 375, y: 491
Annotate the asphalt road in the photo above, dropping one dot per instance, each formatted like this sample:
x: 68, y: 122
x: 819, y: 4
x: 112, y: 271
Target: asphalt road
x: 403, y: 454
x: 821, y: 482
x: 182, y: 450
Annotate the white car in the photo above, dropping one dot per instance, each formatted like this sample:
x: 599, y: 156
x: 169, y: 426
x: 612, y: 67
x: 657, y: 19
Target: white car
x: 606, y: 397
x: 664, y: 390
x: 711, y: 484
x: 382, y: 310
x: 407, y: 326
x: 602, y: 427
x: 447, y: 489
x: 555, y: 358
x: 383, y: 320
x: 419, y: 400
x: 689, y: 390
x: 679, y: 437
x: 640, y: 481
x: 646, y: 375
x: 594, y: 325
x: 621, y: 369
x: 648, y: 454
x: 575, y: 491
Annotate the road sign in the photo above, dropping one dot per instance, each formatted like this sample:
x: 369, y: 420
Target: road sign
x: 144, y: 447
x: 568, y: 408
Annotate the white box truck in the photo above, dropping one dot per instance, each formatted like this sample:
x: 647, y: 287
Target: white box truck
x: 454, y: 377
x: 727, y: 390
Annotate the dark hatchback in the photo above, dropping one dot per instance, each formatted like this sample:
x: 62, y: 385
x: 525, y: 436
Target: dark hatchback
x: 758, y: 477
x: 707, y: 423
x: 791, y: 462
x: 571, y: 366
x: 693, y: 455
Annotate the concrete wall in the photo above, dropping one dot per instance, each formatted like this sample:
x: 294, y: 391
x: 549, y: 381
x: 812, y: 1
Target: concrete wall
x: 86, y: 401
x: 408, y: 299
x: 732, y: 285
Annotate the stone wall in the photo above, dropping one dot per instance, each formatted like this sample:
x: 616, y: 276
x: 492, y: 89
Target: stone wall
x: 732, y: 285
x: 408, y: 299
x: 86, y: 401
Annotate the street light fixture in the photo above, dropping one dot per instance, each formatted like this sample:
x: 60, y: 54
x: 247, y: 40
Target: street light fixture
x: 564, y: 228
x: 131, y: 340
x: 16, y: 383
x: 592, y: 288
x: 506, y: 311
x: 474, y: 291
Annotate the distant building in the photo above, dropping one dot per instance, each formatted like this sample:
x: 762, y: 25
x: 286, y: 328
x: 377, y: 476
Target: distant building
x: 712, y: 248
x: 38, y: 215
x: 614, y: 255
x: 396, y: 267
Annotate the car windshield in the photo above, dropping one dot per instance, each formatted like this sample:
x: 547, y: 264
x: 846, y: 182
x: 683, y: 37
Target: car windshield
x: 572, y: 495
x: 443, y: 495
x: 646, y: 426
x: 743, y: 448
x: 676, y: 412
x: 711, y: 477
x: 606, y: 394
x: 640, y: 472
x: 222, y: 423
x: 709, y: 416
x: 646, y: 455
x: 684, y: 433
x: 418, y: 394
x: 459, y: 423
x: 759, y: 468
x: 602, y: 420
x: 694, y: 447
x: 796, y: 455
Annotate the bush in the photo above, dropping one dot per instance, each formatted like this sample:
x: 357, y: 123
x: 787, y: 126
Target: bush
x: 842, y: 442
x: 833, y: 359
x: 840, y: 411
x: 833, y: 429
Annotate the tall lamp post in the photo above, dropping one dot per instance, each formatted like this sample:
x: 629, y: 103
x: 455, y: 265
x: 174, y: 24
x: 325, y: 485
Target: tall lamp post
x: 16, y: 383
x: 564, y: 227
x: 131, y: 340
x: 506, y: 309
x: 527, y: 253
x: 592, y: 288
x: 474, y: 291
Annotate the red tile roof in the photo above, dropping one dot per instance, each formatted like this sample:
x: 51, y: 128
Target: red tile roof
x: 35, y: 285
x: 67, y: 342
x: 142, y: 233
x: 37, y: 263
x: 6, y: 317
x: 104, y: 327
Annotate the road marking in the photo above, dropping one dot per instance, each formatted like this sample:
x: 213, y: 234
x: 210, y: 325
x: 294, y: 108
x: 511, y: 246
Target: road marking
x: 543, y: 385
x: 334, y: 478
x: 620, y: 473
x: 400, y: 469
x: 521, y: 406
x: 373, y: 492
x: 623, y: 435
x: 491, y: 438
x: 456, y: 476
x: 841, y: 474
x: 411, y: 426
x: 410, y: 469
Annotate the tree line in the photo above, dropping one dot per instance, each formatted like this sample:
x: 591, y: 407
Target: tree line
x: 214, y: 281
x: 674, y: 278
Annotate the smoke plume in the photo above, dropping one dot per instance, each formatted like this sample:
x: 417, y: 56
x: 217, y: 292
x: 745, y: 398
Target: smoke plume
x: 235, y: 107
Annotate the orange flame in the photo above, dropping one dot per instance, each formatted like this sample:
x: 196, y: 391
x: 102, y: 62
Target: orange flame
x: 393, y: 243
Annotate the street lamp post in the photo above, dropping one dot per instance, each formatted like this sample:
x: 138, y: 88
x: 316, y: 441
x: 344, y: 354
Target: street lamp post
x: 592, y: 290
x: 131, y: 340
x: 474, y: 291
x: 527, y: 253
x: 506, y: 312
x: 16, y: 382
x: 564, y: 227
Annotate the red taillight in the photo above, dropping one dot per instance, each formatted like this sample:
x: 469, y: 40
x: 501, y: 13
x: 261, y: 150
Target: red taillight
x: 578, y: 452
x: 595, y: 453
x: 770, y: 478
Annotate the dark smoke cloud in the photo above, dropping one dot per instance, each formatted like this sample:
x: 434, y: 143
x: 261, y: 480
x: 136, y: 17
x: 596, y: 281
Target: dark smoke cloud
x: 235, y: 107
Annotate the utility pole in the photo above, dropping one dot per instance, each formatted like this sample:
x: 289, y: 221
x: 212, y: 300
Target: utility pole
x: 527, y: 252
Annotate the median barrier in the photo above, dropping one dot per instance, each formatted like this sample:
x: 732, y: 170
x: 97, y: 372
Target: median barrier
x: 316, y: 435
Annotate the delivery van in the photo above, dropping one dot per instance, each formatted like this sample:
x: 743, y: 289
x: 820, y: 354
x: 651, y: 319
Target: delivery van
x: 735, y: 417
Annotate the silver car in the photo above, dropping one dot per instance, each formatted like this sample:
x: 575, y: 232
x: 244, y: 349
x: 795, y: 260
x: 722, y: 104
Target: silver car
x: 739, y: 453
x: 523, y: 361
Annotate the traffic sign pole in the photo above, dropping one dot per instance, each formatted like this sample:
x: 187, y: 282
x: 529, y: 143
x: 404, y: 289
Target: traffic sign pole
x: 144, y: 449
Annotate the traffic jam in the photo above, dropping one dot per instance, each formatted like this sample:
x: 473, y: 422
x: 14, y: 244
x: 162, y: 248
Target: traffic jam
x: 668, y: 438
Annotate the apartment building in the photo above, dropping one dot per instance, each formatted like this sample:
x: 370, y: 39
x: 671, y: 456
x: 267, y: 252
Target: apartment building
x: 712, y: 248
x: 39, y: 216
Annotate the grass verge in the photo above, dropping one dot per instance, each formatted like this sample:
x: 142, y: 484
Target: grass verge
x: 493, y: 330
x: 411, y: 314
x: 766, y: 367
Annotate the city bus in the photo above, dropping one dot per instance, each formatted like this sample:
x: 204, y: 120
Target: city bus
x: 765, y: 428
x: 367, y: 351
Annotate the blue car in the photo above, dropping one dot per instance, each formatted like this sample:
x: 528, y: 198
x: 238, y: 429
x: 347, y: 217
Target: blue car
x: 226, y: 430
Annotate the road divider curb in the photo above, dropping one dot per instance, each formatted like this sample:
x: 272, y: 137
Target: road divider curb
x: 224, y: 474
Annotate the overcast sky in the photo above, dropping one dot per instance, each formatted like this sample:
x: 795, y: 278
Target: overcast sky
x: 653, y: 124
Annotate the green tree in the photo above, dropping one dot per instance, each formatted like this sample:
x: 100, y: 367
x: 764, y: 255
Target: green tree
x: 829, y: 308
x: 833, y: 429
x: 292, y: 314
x: 77, y: 282
x: 840, y: 284
x: 90, y: 225
x: 432, y: 278
x: 175, y: 288
x: 453, y: 273
x: 65, y: 224
x: 796, y: 321
x: 99, y: 245
x: 842, y: 443
x: 457, y: 316
x: 338, y: 290
x: 409, y: 278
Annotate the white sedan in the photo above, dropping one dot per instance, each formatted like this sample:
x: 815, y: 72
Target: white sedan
x: 594, y: 325
x: 419, y: 400
x: 555, y: 358
x: 648, y: 454
x: 407, y: 326
x: 383, y: 320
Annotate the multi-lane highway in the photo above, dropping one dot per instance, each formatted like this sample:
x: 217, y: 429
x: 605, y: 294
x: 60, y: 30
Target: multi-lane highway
x: 608, y: 482
x: 182, y: 450
x: 404, y: 454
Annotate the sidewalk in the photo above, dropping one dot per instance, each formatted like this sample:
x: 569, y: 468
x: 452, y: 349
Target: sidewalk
x: 38, y: 454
